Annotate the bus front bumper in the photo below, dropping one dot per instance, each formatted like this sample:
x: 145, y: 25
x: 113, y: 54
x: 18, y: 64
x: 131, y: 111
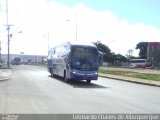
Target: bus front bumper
x: 84, y: 75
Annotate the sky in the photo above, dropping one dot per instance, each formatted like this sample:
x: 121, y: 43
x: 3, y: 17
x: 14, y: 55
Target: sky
x: 120, y: 24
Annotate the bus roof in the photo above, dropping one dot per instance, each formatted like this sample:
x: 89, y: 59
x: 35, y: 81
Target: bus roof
x: 82, y: 43
x: 76, y: 43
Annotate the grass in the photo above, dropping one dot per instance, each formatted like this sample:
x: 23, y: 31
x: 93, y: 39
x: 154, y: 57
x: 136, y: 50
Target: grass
x: 145, y: 76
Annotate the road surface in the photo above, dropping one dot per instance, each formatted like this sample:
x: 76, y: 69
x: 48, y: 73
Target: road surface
x: 32, y: 90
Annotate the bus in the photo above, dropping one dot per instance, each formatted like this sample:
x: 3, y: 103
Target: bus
x: 16, y: 61
x: 74, y: 61
x: 141, y: 63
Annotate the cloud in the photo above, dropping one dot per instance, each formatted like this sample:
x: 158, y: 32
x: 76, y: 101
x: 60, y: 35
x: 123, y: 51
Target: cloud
x: 37, y: 18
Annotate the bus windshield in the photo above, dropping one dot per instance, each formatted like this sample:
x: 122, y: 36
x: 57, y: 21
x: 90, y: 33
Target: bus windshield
x: 84, y: 58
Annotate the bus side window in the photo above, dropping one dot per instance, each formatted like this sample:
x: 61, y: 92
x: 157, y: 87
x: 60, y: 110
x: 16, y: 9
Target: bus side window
x: 52, y: 52
x: 49, y: 54
x: 69, y: 58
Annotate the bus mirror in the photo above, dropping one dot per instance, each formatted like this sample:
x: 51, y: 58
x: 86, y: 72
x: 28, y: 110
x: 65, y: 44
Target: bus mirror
x: 100, y: 56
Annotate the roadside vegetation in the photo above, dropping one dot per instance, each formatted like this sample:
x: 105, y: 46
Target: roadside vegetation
x: 145, y: 76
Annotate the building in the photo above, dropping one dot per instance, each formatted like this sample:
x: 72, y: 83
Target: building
x: 24, y: 58
x: 152, y: 46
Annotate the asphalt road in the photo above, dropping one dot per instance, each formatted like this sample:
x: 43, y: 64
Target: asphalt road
x: 32, y: 90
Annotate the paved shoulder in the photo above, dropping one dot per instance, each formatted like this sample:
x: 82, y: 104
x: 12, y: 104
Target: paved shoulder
x: 5, y: 74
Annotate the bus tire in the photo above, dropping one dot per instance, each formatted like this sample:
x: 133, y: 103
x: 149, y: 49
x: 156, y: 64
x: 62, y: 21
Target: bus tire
x: 51, y: 71
x: 65, y: 77
x: 88, y: 81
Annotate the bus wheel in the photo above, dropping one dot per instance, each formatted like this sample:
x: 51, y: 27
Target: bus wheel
x: 51, y: 71
x: 88, y: 81
x: 65, y: 78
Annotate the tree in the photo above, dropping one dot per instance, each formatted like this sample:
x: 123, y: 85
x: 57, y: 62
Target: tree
x: 155, y: 56
x: 108, y: 55
x: 142, y: 46
x: 102, y: 47
x: 111, y: 57
x: 121, y: 58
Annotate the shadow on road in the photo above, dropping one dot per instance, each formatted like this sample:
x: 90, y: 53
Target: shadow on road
x: 83, y: 84
x: 79, y: 84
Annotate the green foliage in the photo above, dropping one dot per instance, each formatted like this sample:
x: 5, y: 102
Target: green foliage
x: 120, y: 57
x: 142, y: 46
x: 102, y: 47
x: 108, y: 55
x: 131, y: 74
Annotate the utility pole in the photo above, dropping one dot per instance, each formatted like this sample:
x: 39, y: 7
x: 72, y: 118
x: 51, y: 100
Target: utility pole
x: 8, y: 28
x: 8, y: 35
x: 76, y: 24
x: 130, y: 52
x: 48, y: 40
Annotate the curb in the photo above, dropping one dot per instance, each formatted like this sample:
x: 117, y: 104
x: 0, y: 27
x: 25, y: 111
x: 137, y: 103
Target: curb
x: 6, y: 77
x: 3, y: 79
x: 127, y: 80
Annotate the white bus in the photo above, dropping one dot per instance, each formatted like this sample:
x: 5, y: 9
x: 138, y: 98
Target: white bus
x: 141, y: 63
